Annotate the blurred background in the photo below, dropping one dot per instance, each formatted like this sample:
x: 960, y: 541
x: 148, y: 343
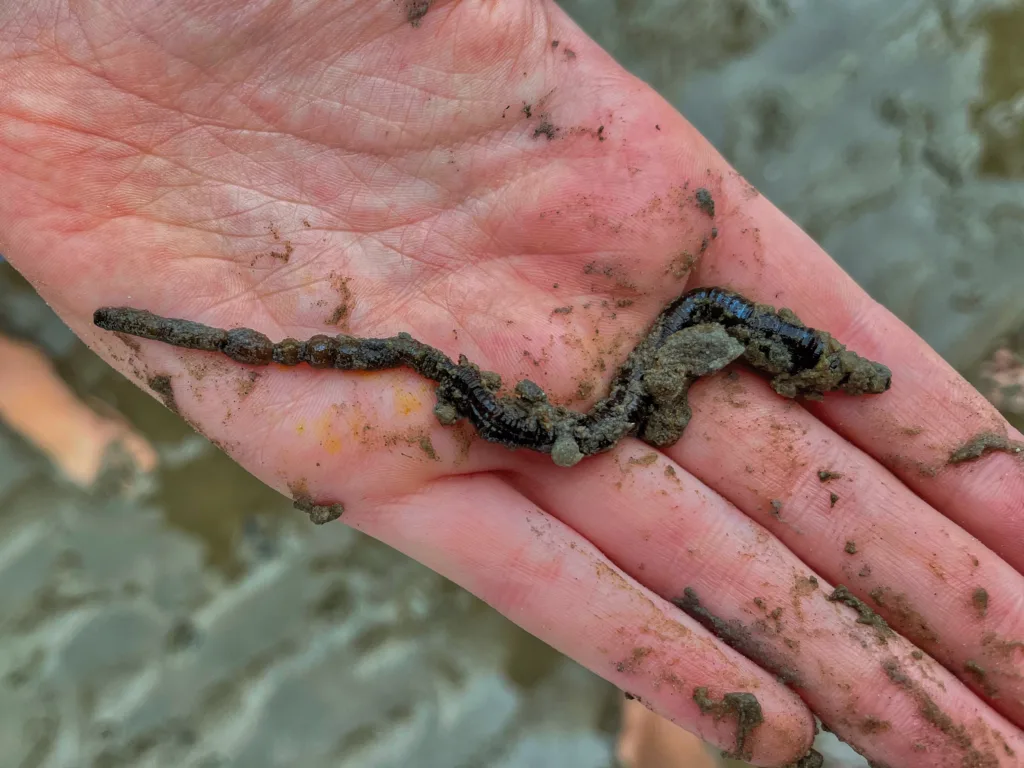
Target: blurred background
x: 160, y: 607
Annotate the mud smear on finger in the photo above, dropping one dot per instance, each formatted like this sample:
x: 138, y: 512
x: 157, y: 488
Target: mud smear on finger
x: 746, y: 709
x: 864, y: 614
x: 983, y: 443
x: 739, y: 637
x: 954, y: 734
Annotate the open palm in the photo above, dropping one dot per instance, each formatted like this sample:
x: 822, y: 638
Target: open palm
x: 483, y: 176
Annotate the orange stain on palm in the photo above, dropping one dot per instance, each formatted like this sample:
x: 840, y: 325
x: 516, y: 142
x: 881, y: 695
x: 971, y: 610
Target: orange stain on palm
x: 329, y: 439
x: 407, y: 403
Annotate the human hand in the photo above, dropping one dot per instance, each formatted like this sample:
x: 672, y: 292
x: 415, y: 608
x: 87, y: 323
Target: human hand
x: 303, y: 168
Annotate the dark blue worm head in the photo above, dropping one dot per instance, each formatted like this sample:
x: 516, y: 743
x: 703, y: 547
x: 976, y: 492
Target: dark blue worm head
x: 837, y: 370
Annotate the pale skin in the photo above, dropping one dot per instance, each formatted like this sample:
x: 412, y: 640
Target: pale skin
x: 310, y: 167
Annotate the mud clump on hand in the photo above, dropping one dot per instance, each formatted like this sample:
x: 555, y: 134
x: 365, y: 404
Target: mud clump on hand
x: 705, y: 201
x: 813, y: 759
x: 686, y: 356
x: 745, y: 707
x: 319, y: 513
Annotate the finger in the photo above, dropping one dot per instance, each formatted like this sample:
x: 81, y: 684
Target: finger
x: 683, y: 541
x: 859, y: 526
x: 38, y: 404
x: 930, y: 413
x: 547, y: 578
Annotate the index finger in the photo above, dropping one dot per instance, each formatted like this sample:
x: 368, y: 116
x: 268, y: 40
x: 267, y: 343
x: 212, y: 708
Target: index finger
x: 932, y: 429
